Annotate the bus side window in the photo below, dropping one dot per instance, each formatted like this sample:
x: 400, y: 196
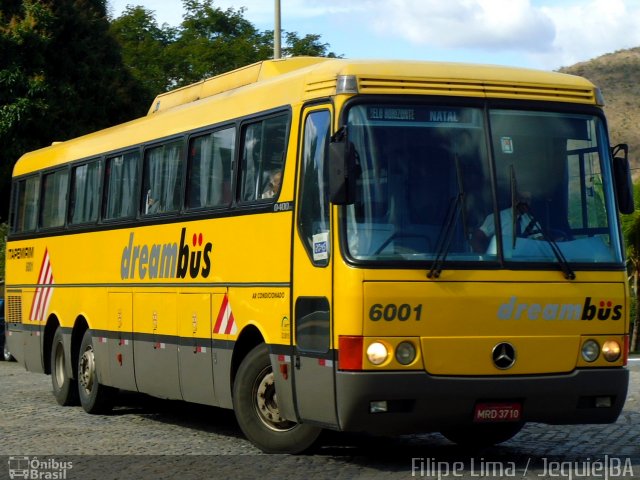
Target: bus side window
x: 120, y: 183
x: 313, y: 215
x: 26, y: 205
x: 54, y: 199
x: 209, y: 179
x: 263, y: 150
x: 162, y: 179
x: 85, y: 193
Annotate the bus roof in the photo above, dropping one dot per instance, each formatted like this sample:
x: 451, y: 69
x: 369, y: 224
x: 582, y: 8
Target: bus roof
x: 273, y: 83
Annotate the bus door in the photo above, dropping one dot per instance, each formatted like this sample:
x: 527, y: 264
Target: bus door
x: 313, y: 352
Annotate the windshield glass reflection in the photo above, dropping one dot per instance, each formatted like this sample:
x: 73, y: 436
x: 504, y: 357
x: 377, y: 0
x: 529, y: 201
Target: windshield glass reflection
x: 425, y: 177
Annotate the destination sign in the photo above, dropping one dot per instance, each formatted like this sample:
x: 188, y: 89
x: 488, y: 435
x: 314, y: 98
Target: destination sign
x: 419, y: 114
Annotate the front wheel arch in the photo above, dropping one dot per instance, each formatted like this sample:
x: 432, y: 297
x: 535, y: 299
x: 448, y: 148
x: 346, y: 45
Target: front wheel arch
x: 256, y: 408
x: 249, y: 338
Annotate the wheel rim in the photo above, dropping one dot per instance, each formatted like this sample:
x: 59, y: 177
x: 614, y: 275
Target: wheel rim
x: 86, y: 370
x: 58, y: 366
x: 265, y: 402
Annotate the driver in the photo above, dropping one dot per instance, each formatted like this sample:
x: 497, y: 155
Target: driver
x: 525, y: 225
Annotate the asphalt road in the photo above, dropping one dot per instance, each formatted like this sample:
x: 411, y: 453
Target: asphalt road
x: 146, y: 438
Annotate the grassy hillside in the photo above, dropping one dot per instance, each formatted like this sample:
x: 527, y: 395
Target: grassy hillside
x: 618, y: 75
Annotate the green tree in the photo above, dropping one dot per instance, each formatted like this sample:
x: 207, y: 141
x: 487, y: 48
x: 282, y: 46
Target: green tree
x: 631, y: 231
x: 209, y: 41
x: 212, y: 41
x: 24, y: 27
x: 61, y: 75
x: 144, y: 48
x: 88, y: 85
x: 4, y: 228
x: 309, y: 45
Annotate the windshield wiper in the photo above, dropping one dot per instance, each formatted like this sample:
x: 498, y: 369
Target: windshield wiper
x: 446, y: 235
x: 456, y: 207
x: 565, y: 266
x: 517, y: 210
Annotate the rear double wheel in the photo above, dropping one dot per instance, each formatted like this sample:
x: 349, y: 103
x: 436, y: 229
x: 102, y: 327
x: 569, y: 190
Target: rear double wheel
x: 94, y: 397
x: 65, y: 388
x: 255, y: 402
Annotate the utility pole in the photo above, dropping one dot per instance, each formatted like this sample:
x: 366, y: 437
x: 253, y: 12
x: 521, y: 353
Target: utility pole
x: 276, y: 32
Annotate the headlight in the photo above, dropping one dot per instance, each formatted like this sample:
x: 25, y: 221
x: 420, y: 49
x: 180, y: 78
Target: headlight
x: 590, y: 350
x: 377, y: 353
x: 611, y: 350
x: 405, y: 353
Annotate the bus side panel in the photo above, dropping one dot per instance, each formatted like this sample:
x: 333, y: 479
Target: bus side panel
x: 194, y: 353
x: 31, y: 343
x: 155, y: 345
x: 120, y: 322
x: 222, y: 353
x: 33, y: 349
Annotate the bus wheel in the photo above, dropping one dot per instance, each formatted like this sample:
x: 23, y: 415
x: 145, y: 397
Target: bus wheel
x: 256, y: 407
x: 483, y: 435
x: 7, y: 354
x: 65, y: 389
x: 94, y: 397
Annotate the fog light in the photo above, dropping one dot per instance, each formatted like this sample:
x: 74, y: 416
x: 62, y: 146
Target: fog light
x: 377, y: 353
x: 590, y: 350
x: 378, y: 407
x: 603, y: 402
x: 405, y: 353
x: 611, y: 350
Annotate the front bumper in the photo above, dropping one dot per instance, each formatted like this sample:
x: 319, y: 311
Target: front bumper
x: 419, y: 402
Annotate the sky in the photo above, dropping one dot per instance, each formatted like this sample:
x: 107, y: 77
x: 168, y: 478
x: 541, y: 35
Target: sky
x: 542, y: 34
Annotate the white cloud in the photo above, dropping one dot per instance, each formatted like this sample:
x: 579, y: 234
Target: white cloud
x: 541, y: 33
x: 476, y: 24
x: 263, y: 10
x: 589, y: 29
x: 548, y: 33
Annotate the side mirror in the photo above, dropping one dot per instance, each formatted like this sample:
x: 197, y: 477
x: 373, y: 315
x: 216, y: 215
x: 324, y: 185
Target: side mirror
x: 622, y: 178
x: 342, y: 163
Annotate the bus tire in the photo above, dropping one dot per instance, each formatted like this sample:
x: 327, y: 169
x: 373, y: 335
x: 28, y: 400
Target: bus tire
x: 94, y: 397
x: 256, y: 408
x: 483, y: 435
x: 65, y: 388
x: 6, y: 354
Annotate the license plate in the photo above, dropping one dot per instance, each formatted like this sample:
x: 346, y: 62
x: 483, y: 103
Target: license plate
x: 497, y: 412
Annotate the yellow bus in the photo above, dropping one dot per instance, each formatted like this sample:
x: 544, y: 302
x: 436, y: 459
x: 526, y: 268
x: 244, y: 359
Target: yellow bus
x: 314, y: 243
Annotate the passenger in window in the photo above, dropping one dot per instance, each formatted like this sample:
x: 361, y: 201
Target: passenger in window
x: 152, y: 204
x: 272, y: 188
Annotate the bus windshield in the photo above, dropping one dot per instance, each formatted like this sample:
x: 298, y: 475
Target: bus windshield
x: 461, y: 184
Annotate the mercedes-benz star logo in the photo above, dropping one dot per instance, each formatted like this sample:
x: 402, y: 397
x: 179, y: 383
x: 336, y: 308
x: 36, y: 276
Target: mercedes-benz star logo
x: 504, y: 355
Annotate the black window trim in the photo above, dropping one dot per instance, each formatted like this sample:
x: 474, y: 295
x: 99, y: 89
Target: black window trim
x: 235, y: 208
